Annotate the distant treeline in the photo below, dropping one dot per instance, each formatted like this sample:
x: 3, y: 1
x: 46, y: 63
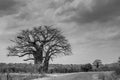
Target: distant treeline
x: 54, y: 68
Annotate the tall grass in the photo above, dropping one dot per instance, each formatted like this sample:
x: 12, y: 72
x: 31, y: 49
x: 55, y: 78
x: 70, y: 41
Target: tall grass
x: 110, y: 76
x: 20, y: 76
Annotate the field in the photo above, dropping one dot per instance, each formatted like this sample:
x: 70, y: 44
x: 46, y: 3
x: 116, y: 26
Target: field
x: 65, y: 76
x: 83, y: 76
x: 19, y: 76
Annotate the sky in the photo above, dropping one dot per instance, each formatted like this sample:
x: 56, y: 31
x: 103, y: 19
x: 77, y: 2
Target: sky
x: 91, y: 26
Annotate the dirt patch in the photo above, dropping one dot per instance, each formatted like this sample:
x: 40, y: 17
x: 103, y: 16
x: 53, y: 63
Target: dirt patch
x: 95, y: 76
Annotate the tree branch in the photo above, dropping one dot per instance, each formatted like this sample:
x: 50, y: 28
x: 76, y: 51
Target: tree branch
x: 29, y: 59
x: 24, y: 54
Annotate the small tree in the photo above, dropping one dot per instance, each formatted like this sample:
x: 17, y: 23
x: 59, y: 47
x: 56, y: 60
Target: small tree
x: 117, y: 68
x: 119, y: 61
x: 97, y: 63
x: 41, y: 43
x: 86, y: 67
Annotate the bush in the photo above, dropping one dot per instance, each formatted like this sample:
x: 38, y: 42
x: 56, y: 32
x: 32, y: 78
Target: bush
x: 104, y: 68
x: 117, y: 70
x: 86, y: 67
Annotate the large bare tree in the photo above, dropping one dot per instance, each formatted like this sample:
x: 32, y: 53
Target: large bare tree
x: 41, y: 43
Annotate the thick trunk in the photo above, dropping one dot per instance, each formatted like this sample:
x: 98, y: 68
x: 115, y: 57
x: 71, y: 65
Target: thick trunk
x: 38, y: 64
x: 46, y: 63
x: 45, y: 66
x: 37, y: 61
x: 38, y: 56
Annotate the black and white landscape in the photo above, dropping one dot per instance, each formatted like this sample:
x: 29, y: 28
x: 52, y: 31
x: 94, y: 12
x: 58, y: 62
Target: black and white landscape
x: 59, y: 39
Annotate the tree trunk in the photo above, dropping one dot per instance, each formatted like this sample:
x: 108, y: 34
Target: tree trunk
x: 45, y: 66
x: 38, y: 65
x: 37, y: 61
x: 38, y: 56
x: 46, y: 63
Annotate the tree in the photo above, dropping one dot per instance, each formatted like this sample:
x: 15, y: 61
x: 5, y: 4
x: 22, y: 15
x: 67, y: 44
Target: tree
x: 97, y: 63
x: 86, y: 67
x: 42, y: 44
x: 119, y: 60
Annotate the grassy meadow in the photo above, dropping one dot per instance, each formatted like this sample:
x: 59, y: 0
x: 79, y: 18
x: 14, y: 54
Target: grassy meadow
x: 20, y: 76
x: 84, y: 76
x: 61, y: 76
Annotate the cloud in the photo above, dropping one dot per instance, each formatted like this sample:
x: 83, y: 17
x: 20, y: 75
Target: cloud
x: 9, y: 7
x: 34, y: 9
x: 99, y: 36
x: 91, y: 26
x: 38, y: 12
x: 87, y: 11
x: 35, y: 13
x: 58, y: 3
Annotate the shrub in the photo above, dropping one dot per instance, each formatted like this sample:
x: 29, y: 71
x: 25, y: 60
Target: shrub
x: 117, y: 70
x: 86, y: 67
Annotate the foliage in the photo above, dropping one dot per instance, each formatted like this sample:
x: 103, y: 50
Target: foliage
x: 55, y: 68
x: 104, y: 68
x: 86, y: 67
x: 115, y: 67
x: 59, y: 68
x: 119, y: 60
x: 31, y: 68
x: 97, y: 64
x: 117, y: 70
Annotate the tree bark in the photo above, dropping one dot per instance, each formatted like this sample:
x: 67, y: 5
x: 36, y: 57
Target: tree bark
x: 38, y: 56
x: 45, y: 66
x: 46, y: 63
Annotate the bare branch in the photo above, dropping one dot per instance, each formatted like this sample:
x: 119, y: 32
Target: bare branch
x: 29, y: 59
x: 24, y: 54
x: 43, y: 43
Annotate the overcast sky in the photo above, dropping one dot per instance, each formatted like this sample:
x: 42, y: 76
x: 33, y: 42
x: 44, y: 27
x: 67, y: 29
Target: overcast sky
x: 91, y: 26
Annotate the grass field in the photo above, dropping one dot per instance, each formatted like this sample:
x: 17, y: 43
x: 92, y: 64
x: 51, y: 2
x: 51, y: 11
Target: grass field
x: 19, y: 76
x: 83, y: 76
x: 66, y: 76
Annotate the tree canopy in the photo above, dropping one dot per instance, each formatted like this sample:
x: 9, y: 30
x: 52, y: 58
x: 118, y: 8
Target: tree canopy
x: 97, y: 63
x: 41, y: 43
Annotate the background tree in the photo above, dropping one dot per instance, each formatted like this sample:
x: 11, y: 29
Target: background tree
x: 119, y: 61
x: 86, y: 67
x: 41, y: 43
x: 97, y: 63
